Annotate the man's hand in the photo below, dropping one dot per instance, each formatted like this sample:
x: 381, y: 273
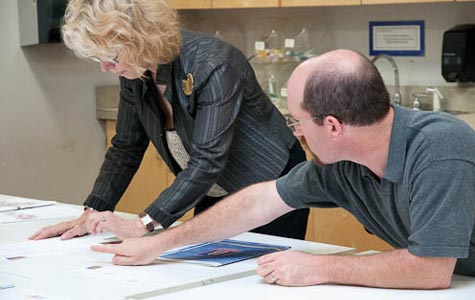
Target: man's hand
x: 132, y: 252
x: 391, y: 269
x: 289, y: 268
x: 66, y: 230
x: 97, y: 222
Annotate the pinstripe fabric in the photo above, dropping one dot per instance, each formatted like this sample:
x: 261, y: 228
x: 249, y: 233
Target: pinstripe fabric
x: 234, y: 135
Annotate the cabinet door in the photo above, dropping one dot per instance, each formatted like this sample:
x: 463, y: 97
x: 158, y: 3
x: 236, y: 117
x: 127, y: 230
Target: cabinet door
x: 152, y: 177
x: 292, y: 3
x: 402, y: 1
x: 187, y: 4
x: 338, y: 227
x: 244, y: 3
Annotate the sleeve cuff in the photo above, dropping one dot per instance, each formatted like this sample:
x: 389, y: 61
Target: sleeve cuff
x: 160, y: 216
x: 439, y: 251
x: 98, y: 204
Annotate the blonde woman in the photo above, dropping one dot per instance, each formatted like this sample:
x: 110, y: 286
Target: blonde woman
x: 195, y: 98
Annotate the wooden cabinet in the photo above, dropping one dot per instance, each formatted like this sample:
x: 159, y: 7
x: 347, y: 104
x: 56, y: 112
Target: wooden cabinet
x: 337, y: 226
x: 217, y: 4
x: 295, y: 3
x: 401, y: 1
x: 244, y: 3
x: 150, y: 180
x: 187, y: 4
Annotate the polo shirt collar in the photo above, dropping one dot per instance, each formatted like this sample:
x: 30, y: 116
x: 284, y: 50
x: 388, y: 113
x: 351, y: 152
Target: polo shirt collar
x: 397, y: 146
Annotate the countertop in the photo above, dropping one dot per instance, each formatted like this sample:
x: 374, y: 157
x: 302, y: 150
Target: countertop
x: 469, y: 118
x: 107, y: 104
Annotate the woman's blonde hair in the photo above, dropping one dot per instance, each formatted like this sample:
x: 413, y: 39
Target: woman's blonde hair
x: 146, y: 33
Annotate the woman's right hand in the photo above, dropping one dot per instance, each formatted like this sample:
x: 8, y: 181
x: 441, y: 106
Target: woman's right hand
x: 66, y: 230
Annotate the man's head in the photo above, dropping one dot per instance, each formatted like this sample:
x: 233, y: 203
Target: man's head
x: 338, y: 88
x: 126, y: 36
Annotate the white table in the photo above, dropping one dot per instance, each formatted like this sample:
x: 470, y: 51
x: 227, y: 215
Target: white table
x: 253, y: 287
x: 66, y: 277
x: 84, y: 274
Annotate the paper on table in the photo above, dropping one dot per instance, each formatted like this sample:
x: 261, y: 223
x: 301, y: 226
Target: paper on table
x: 5, y: 285
x: 137, y: 274
x: 39, y: 213
x: 50, y: 247
x: 8, y: 203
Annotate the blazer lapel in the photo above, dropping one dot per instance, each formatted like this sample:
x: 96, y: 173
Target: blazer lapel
x: 149, y: 93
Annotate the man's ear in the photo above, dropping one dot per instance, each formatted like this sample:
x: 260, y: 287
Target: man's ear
x: 333, y: 125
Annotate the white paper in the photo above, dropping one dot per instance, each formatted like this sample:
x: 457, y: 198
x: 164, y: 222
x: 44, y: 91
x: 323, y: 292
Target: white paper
x: 40, y: 213
x: 397, y: 38
x: 8, y: 203
x: 5, y: 285
x: 136, y: 274
x: 50, y: 247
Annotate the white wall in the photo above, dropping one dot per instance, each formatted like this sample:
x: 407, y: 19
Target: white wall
x: 51, y: 144
x: 343, y: 27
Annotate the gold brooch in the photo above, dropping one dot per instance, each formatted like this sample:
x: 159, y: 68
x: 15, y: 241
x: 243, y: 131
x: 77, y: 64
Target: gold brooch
x: 187, y: 84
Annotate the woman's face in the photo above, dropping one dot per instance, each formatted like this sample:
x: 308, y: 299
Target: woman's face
x: 117, y: 66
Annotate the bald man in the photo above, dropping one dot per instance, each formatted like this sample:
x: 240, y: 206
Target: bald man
x: 408, y: 177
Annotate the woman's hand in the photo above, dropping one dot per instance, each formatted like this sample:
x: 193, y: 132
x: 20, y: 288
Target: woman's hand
x: 66, y: 230
x: 97, y: 222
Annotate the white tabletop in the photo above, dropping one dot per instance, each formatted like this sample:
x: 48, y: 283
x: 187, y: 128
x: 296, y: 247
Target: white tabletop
x: 79, y: 273
x: 253, y: 287
x: 84, y: 274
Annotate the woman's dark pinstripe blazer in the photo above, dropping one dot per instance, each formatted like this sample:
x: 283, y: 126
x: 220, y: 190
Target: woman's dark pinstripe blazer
x: 234, y: 135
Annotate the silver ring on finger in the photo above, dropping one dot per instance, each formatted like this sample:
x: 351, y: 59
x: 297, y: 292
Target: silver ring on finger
x: 103, y: 219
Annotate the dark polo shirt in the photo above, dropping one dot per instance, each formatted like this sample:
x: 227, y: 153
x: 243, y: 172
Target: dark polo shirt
x: 425, y: 201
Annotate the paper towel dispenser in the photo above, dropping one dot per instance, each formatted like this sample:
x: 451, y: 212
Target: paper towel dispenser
x: 40, y: 21
x: 458, y: 54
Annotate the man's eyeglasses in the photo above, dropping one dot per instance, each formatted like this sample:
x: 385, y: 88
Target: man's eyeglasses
x: 292, y: 122
x: 113, y: 61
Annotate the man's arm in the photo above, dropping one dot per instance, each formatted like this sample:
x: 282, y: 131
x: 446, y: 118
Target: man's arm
x: 392, y: 269
x: 252, y: 207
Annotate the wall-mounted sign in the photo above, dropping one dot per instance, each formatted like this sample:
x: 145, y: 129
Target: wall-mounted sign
x: 396, y: 38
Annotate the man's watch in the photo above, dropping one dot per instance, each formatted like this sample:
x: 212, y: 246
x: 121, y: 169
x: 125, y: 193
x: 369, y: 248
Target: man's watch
x: 146, y: 221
